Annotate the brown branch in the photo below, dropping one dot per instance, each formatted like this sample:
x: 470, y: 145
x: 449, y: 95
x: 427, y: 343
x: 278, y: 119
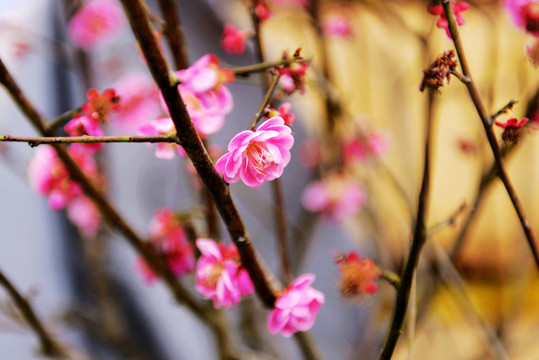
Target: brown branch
x: 493, y: 142
x: 36, y: 141
x: 192, y: 144
x: 245, y: 71
x: 62, y: 119
x: 265, y: 102
x: 281, y: 226
x: 173, y: 33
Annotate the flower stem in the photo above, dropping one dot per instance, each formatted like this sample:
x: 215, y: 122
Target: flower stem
x: 493, y: 142
x: 36, y: 141
x: 267, y: 98
x: 62, y: 118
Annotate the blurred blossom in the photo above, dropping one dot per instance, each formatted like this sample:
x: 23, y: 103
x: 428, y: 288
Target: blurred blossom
x: 82, y: 212
x: 292, y: 2
x: 233, y: 40
x: 49, y: 177
x: 262, y: 11
x: 360, y: 148
x: 358, y: 276
x: 283, y: 112
x: 169, y: 241
x: 82, y: 125
x: 257, y: 156
x: 336, y: 196
x: 99, y: 106
x: 338, y: 26
x: 512, y: 129
x: 163, y: 126
x: 293, y: 77
x: 442, y: 21
x: 139, y: 100
x: 525, y: 14
x: 219, y: 274
x: 95, y: 22
x: 311, y: 154
x: 296, y: 309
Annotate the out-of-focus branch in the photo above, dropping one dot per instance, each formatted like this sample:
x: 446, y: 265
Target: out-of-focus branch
x: 62, y: 119
x: 173, y: 33
x: 493, y: 142
x: 36, y: 141
x: 265, y: 102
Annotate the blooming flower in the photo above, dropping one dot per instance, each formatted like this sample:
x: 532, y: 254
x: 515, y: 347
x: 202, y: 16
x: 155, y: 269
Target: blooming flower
x: 82, y: 125
x: 219, y: 275
x: 338, y: 26
x: 99, y: 106
x: 282, y: 112
x: 337, y: 196
x: 297, y: 308
x: 95, y: 22
x: 169, y: 240
x: 512, y: 129
x: 233, y: 40
x: 257, y: 156
x: 163, y: 126
x: 358, y: 276
x: 140, y: 100
x: 82, y: 212
x: 438, y: 71
x: 442, y: 21
x: 525, y: 14
x: 207, y: 100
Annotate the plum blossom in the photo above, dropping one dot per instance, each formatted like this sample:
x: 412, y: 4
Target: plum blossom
x: 525, y: 14
x: 163, y: 126
x: 82, y: 212
x: 219, y: 274
x: 99, y: 106
x: 257, y: 156
x: 296, y: 309
x: 140, y: 100
x: 442, y: 21
x: 82, y: 125
x: 206, y: 97
x: 336, y: 195
x: 169, y: 240
x: 512, y: 129
x: 49, y: 177
x: 262, y: 11
x: 283, y: 112
x: 95, y: 22
x: 438, y: 71
x: 233, y: 40
x: 338, y: 26
x: 293, y: 77
x: 360, y: 148
x: 358, y: 276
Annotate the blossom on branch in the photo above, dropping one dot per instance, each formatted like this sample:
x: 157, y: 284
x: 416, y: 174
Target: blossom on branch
x: 442, y: 21
x: 296, y: 309
x: 82, y: 125
x: 163, y: 126
x: 99, y: 106
x: 82, y: 212
x: 358, y: 276
x: 512, y: 129
x: 293, y: 77
x: 262, y: 11
x: 95, y: 22
x: 338, y: 26
x: 219, y: 274
x: 168, y: 240
x: 283, y: 111
x: 257, y: 156
x: 233, y: 40
x: 438, y: 71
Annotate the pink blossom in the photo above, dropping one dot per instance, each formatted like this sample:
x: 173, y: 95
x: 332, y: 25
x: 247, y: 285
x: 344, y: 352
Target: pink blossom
x: 311, y: 154
x: 358, y: 276
x: 99, y: 106
x: 233, y: 40
x: 525, y: 14
x: 297, y: 308
x: 49, y: 177
x: 257, y: 156
x: 95, y: 22
x: 292, y: 2
x: 336, y: 195
x: 163, y: 126
x: 442, y: 21
x: 82, y: 212
x: 293, y: 77
x: 139, y: 100
x: 219, y: 275
x: 359, y: 148
x: 262, y: 11
x: 169, y: 240
x: 512, y: 129
x: 282, y: 112
x: 82, y: 125
x: 207, y: 100
x: 338, y: 25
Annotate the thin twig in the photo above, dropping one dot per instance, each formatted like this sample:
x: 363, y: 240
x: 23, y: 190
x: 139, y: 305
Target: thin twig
x: 263, y: 66
x: 62, y: 119
x: 36, y: 141
x: 391, y: 278
x: 503, y: 110
x: 448, y: 222
x: 267, y: 98
x: 498, y: 157
x: 281, y: 225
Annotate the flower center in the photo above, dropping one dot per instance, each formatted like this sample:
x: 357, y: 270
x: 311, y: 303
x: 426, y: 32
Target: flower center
x: 259, y: 156
x: 215, y: 274
x: 530, y: 14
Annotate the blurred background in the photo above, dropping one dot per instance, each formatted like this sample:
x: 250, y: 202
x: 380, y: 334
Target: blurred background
x: 476, y: 302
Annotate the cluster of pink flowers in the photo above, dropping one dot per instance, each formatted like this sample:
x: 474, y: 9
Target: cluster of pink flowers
x: 233, y: 40
x: 257, y: 156
x: 219, y: 274
x: 293, y: 77
x: 206, y: 97
x: 283, y: 112
x: 358, y: 276
x: 442, y: 21
x: 338, y: 26
x: 337, y: 196
x: 95, y: 22
x: 296, y: 309
x: 169, y: 240
x: 49, y: 177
